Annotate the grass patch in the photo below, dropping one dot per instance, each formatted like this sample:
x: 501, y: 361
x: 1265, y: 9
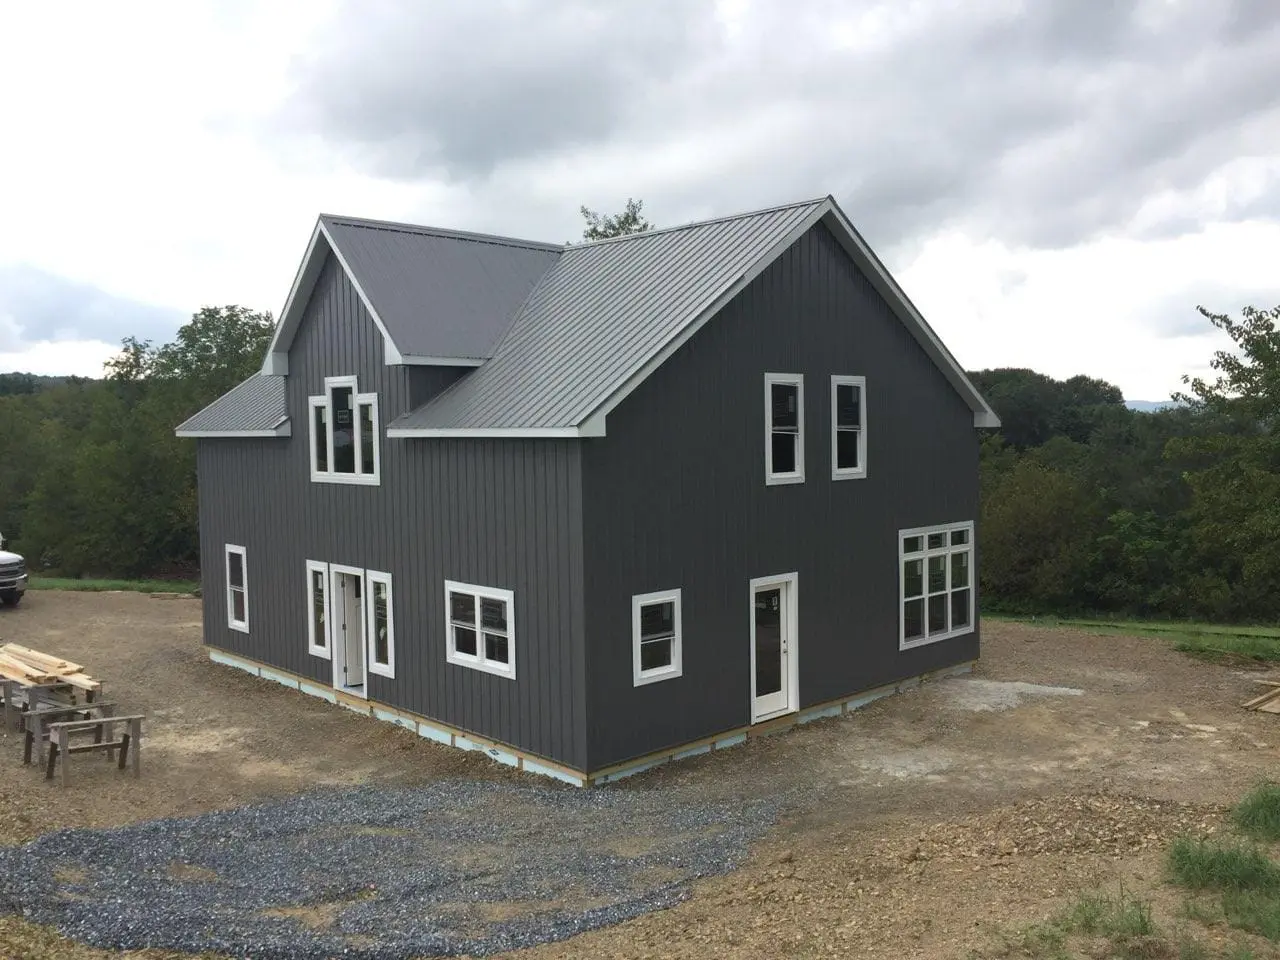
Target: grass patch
x: 1123, y: 920
x: 1208, y: 641
x: 1100, y: 914
x: 1253, y: 911
x: 1258, y: 814
x: 99, y: 586
x: 1220, y: 647
x: 1201, y: 864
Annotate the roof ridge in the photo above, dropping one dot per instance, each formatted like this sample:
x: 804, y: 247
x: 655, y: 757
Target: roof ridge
x: 702, y: 223
x: 393, y: 226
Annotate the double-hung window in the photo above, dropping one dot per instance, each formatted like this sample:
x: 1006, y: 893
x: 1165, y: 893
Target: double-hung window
x: 318, y: 609
x: 783, y: 428
x: 237, y: 589
x: 655, y: 636
x: 480, y: 628
x: 380, y: 624
x: 344, y: 433
x: 848, y: 427
x: 936, y: 569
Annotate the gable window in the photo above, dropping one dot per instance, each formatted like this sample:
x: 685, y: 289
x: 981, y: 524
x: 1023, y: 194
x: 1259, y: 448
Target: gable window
x: 237, y: 589
x: 848, y: 427
x: 936, y: 569
x: 655, y: 636
x: 381, y: 625
x: 318, y: 609
x: 344, y: 433
x: 783, y: 428
x: 480, y: 627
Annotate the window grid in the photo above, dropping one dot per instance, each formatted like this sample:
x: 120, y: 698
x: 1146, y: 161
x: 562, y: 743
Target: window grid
x: 936, y: 577
x: 480, y: 628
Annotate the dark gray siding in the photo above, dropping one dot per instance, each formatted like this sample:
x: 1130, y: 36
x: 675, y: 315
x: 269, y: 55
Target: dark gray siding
x: 675, y: 496
x: 502, y: 513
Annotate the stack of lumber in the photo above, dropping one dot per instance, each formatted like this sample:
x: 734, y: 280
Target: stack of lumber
x: 31, y: 667
x: 1268, y: 702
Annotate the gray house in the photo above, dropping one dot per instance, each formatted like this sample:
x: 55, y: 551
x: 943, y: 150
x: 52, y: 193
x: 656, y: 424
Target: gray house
x: 588, y: 508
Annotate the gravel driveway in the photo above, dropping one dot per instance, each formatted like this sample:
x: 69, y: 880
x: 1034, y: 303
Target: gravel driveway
x: 376, y: 872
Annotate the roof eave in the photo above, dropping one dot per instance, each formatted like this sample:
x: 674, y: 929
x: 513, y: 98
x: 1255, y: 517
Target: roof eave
x: 283, y: 429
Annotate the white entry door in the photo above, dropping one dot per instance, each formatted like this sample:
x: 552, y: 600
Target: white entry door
x: 774, y: 677
x: 350, y: 670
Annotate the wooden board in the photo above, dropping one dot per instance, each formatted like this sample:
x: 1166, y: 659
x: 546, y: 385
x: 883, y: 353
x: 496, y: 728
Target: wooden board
x: 41, y: 661
x: 1268, y: 702
x: 17, y: 670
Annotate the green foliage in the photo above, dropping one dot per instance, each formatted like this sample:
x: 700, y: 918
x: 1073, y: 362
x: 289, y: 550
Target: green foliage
x: 1253, y: 911
x: 95, y: 482
x: 601, y: 226
x: 1120, y: 915
x: 1222, y: 865
x: 1220, y: 648
x: 1258, y: 814
x: 102, y: 586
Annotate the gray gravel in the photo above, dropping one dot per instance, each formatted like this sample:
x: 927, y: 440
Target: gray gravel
x: 376, y: 873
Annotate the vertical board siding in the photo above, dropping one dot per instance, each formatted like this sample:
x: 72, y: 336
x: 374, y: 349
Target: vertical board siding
x: 490, y: 512
x: 675, y: 496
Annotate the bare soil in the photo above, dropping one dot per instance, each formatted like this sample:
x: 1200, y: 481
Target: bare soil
x: 930, y: 824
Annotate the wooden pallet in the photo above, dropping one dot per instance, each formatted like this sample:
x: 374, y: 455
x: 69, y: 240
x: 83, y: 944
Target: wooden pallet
x: 1268, y: 702
x: 33, y: 668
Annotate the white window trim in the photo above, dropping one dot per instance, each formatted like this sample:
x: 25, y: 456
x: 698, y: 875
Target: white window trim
x: 924, y: 553
x: 796, y: 476
x: 676, y: 667
x: 232, y: 622
x: 478, y: 662
x: 326, y: 401
x: 318, y: 648
x: 860, y: 471
x: 387, y: 669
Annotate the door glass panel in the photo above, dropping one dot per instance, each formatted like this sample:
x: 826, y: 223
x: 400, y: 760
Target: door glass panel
x: 959, y: 609
x: 317, y: 607
x: 913, y: 619
x: 937, y: 574
x: 938, y: 614
x: 344, y: 432
x: 768, y: 614
x: 960, y: 569
x: 367, y: 439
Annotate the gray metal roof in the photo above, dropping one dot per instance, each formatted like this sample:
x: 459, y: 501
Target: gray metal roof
x: 255, y: 408
x: 439, y: 293
x: 603, y: 314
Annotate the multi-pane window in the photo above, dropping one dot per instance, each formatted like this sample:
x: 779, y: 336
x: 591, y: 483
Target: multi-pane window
x: 318, y: 608
x: 380, y: 628
x: 344, y: 433
x: 848, y: 427
x: 783, y: 428
x: 655, y: 636
x: 480, y: 628
x: 936, y: 568
x: 237, y: 589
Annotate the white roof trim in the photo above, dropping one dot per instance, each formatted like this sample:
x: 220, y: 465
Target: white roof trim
x: 282, y: 429
x: 491, y: 433
x: 277, y: 361
x: 414, y: 360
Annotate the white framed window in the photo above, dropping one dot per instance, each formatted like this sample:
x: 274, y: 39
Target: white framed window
x: 345, y: 446
x: 848, y: 427
x: 655, y: 636
x: 380, y: 625
x: 936, y: 576
x: 480, y: 628
x: 783, y: 428
x: 318, y: 609
x: 237, y: 589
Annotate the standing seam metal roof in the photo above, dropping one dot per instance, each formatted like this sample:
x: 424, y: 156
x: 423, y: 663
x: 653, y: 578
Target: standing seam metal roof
x: 257, y: 404
x: 440, y: 293
x: 599, y: 315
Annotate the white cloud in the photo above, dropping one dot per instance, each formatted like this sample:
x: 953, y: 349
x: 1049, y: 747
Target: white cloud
x: 80, y: 358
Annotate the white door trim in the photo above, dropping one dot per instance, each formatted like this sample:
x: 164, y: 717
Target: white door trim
x: 790, y: 641
x: 340, y: 650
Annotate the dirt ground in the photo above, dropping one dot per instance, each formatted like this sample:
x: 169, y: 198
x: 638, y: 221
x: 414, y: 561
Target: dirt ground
x: 923, y: 825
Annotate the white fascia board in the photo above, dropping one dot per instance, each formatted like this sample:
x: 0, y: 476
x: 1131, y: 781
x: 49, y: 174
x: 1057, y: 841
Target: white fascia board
x: 594, y: 422
x: 416, y: 361
x: 897, y: 298
x: 283, y: 430
x: 486, y: 433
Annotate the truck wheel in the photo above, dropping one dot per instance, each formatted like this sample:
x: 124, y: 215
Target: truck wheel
x: 11, y: 598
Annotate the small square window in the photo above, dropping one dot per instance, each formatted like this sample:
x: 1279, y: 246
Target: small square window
x: 480, y: 628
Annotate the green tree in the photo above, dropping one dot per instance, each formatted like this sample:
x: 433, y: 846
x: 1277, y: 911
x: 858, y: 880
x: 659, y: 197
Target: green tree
x: 601, y: 226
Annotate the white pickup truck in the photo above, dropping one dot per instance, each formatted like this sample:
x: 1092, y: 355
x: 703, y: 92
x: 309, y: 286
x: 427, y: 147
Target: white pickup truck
x: 13, y: 576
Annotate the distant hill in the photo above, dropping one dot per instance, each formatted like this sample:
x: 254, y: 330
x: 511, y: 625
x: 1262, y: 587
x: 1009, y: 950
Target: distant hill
x: 1149, y: 406
x: 12, y: 384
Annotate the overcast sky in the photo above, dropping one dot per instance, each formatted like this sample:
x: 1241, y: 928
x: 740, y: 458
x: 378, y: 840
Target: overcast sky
x: 1055, y: 183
